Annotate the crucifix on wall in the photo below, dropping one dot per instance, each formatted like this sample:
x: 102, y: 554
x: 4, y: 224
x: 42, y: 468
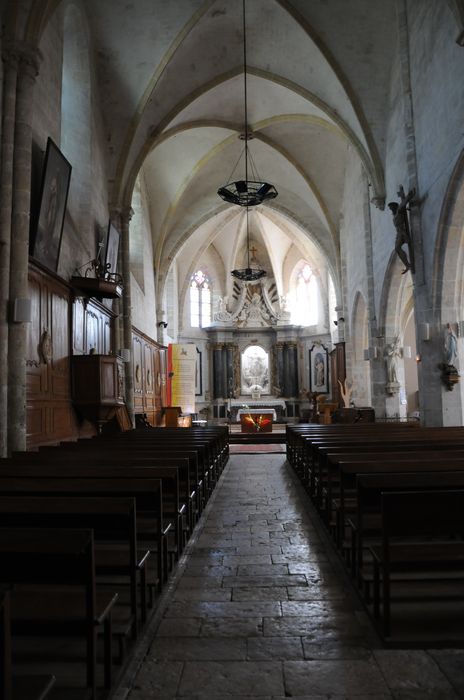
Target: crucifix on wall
x: 403, y: 230
x: 253, y: 251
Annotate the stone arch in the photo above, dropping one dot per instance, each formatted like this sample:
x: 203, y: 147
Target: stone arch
x: 360, y: 368
x: 448, y: 292
x: 397, y: 302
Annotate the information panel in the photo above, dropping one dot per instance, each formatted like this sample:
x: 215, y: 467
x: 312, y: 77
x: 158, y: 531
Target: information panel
x: 182, y: 361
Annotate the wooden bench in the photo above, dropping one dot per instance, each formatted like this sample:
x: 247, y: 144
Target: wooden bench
x: 113, y: 521
x: 366, y: 519
x: 44, y: 559
x: 147, y: 494
x: 407, y: 520
x: 16, y: 687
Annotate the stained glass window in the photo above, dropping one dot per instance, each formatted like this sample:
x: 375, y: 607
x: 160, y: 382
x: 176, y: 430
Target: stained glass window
x: 200, y: 300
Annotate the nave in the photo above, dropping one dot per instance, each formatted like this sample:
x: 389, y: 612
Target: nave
x: 261, y: 607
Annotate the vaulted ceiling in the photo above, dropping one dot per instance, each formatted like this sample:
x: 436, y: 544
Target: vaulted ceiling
x: 171, y: 77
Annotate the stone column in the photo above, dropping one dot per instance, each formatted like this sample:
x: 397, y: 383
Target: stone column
x: 10, y: 71
x: 217, y: 371
x: 28, y: 69
x: 126, y: 215
x: 279, y: 350
x: 224, y: 389
x: 230, y: 370
x: 287, y: 371
x: 292, y: 351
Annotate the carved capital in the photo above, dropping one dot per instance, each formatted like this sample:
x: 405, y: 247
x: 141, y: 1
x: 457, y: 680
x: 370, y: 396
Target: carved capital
x: 23, y: 56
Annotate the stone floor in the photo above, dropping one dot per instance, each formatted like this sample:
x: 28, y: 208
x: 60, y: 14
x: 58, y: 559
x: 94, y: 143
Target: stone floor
x: 261, y: 608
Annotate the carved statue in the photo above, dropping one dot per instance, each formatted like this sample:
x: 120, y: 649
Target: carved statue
x: 392, y: 352
x: 451, y: 346
x: 401, y: 224
x: 222, y: 314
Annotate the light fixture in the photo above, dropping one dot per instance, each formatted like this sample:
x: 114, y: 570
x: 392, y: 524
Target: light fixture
x: 248, y: 274
x: 247, y: 193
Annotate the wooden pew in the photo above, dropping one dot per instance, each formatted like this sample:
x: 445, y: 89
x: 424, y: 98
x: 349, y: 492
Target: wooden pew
x: 74, y: 466
x: 147, y: 493
x: 184, y: 462
x: 343, y: 468
x: 114, y: 452
x: 408, y: 519
x: 45, y: 559
x: 16, y: 687
x: 113, y: 521
x: 366, y: 520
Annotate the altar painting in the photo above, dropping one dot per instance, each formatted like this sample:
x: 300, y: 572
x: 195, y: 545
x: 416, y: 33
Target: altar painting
x: 255, y: 371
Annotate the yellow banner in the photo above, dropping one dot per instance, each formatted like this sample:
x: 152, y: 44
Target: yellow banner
x: 183, y: 359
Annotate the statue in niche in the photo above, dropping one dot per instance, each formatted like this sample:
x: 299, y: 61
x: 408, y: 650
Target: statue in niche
x: 403, y: 231
x: 450, y: 375
x: 451, y: 346
x: 392, y: 353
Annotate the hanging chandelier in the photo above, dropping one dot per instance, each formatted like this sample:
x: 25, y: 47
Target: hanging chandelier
x: 248, y: 273
x: 247, y: 193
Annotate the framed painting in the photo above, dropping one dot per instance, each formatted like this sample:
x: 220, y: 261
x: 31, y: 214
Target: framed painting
x: 56, y: 176
x: 319, y: 369
x: 112, y: 249
x: 198, y: 375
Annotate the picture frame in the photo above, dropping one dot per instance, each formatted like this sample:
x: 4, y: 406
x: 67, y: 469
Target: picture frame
x: 112, y: 249
x: 198, y: 375
x: 319, y: 369
x: 56, y: 176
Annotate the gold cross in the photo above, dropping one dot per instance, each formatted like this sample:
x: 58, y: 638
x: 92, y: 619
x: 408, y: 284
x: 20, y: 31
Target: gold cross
x: 253, y: 251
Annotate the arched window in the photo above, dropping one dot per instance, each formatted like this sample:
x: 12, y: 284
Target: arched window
x: 200, y: 300
x: 304, y: 298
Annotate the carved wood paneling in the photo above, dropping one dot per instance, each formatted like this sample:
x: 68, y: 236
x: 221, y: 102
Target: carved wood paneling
x: 78, y: 327
x: 58, y: 322
x: 149, y: 379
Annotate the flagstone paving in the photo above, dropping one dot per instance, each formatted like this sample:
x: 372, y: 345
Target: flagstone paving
x: 263, y: 609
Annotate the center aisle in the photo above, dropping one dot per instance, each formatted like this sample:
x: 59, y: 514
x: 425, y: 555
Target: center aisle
x: 262, y: 609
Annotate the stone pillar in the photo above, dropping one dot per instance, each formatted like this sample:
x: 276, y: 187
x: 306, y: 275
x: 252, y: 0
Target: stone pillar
x: 126, y: 215
x: 292, y: 354
x: 10, y: 71
x: 279, y: 349
x: 28, y: 69
x: 230, y: 370
x: 224, y: 385
x: 217, y: 371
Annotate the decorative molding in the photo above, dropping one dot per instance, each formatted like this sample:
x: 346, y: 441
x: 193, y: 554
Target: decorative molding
x: 46, y: 347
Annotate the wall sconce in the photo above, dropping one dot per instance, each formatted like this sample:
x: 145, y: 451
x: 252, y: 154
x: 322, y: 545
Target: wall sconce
x: 124, y: 354
x: 162, y: 324
x: 22, y: 311
x: 418, y: 357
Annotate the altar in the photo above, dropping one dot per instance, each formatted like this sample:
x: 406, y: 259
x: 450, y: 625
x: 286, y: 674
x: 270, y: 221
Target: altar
x: 256, y: 412
x: 264, y: 405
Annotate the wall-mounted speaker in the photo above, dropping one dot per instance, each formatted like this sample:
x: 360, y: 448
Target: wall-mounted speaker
x: 22, y: 311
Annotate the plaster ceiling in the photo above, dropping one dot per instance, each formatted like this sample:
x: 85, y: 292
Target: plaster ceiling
x: 171, y: 77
